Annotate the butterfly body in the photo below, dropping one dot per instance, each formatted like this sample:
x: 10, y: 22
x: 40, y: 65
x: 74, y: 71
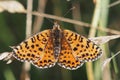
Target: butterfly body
x: 64, y: 47
x: 56, y: 36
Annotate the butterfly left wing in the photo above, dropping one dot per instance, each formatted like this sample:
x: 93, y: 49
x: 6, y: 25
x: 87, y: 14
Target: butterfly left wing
x: 82, y: 48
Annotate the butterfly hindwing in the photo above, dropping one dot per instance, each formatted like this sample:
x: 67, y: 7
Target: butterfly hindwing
x: 48, y: 59
x: 66, y: 58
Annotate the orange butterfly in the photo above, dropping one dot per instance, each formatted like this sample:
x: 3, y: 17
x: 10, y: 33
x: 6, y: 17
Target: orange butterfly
x: 64, y: 47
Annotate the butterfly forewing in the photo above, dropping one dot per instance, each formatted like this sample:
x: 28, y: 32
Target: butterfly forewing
x: 33, y: 48
x: 82, y: 48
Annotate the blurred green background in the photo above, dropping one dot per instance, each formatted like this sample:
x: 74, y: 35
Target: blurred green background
x: 13, y: 27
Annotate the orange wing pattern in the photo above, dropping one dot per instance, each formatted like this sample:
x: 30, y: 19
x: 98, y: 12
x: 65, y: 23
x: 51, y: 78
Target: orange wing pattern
x: 66, y: 58
x: 74, y: 49
x: 48, y: 59
x: 83, y: 49
x: 33, y: 48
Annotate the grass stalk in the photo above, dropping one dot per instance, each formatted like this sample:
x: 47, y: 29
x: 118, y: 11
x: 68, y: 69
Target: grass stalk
x: 38, y: 19
x: 92, y: 33
x: 8, y: 73
x: 102, y: 24
x: 26, y: 66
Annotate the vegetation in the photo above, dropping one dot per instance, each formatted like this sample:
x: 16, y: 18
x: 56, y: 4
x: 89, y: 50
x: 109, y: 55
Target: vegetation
x: 86, y: 17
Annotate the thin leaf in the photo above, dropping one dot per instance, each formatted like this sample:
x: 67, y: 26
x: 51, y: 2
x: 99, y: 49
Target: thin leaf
x: 107, y: 61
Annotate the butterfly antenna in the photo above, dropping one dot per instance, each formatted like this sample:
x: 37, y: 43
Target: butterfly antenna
x: 69, y: 10
x: 55, y: 21
x: 50, y: 20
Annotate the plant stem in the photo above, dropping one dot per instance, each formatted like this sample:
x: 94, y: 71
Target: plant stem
x: 26, y: 66
x: 92, y: 33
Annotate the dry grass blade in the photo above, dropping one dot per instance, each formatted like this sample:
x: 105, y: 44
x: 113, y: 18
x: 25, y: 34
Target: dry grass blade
x: 3, y: 55
x: 80, y: 23
x: 26, y: 66
x: 7, y: 56
x: 108, y: 60
x: 39, y: 20
x: 11, y: 6
x: 103, y: 39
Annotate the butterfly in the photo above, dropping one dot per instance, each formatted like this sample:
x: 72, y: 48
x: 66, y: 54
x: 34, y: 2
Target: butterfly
x: 57, y: 46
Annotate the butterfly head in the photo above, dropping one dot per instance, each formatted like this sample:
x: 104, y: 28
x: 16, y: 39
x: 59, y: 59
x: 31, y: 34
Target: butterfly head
x: 56, y: 26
